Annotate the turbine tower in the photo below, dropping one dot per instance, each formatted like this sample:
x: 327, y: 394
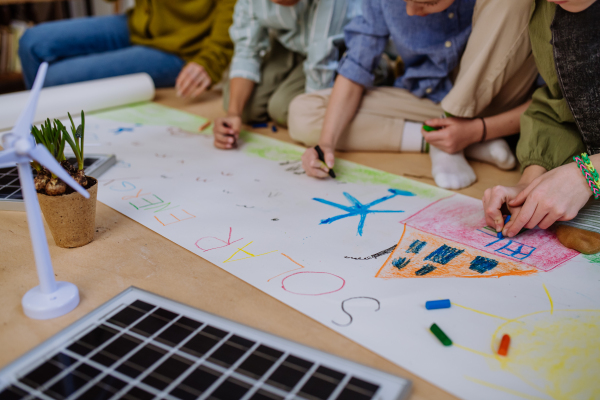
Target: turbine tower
x: 50, y: 299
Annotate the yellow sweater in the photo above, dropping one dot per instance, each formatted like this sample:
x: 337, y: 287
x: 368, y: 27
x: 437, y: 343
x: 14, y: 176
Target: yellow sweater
x: 195, y: 30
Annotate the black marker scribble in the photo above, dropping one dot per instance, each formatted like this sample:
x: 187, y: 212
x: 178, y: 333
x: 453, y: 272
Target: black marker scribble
x: 349, y: 315
x: 294, y: 167
x: 381, y: 253
x: 241, y: 205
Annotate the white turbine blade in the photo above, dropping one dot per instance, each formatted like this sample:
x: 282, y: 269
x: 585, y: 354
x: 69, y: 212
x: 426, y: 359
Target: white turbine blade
x: 23, y: 125
x: 8, y: 158
x: 43, y: 157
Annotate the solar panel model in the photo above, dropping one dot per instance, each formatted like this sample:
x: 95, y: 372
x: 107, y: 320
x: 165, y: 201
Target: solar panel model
x: 142, y: 346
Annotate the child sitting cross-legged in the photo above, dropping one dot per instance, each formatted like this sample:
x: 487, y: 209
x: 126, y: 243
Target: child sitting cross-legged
x: 469, y: 59
x: 283, y: 48
x: 559, y: 148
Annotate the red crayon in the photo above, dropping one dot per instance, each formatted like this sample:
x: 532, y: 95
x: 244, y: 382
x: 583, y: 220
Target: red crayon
x: 504, y: 343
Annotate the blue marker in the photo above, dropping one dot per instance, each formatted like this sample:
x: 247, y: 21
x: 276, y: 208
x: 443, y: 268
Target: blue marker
x: 505, y: 222
x: 436, y: 304
x: 274, y: 129
x: 260, y: 125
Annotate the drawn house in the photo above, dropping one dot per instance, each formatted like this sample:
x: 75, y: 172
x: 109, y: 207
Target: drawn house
x: 449, y: 238
x: 424, y: 255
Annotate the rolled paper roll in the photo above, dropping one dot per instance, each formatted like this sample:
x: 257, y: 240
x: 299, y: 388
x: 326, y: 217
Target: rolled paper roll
x: 88, y: 96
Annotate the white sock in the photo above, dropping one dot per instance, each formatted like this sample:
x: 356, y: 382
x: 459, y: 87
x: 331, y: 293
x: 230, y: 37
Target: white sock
x: 451, y: 171
x: 494, y: 152
x: 412, y: 139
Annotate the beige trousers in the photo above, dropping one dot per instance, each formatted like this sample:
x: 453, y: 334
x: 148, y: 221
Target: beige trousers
x: 496, y: 74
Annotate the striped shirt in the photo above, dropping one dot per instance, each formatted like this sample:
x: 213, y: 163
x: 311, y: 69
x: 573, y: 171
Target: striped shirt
x: 311, y: 28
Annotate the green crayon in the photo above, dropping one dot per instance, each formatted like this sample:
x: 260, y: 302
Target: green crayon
x: 440, y: 335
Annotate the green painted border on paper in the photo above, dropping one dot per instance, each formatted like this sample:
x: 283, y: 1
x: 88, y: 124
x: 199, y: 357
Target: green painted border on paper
x: 346, y: 171
x: 149, y: 113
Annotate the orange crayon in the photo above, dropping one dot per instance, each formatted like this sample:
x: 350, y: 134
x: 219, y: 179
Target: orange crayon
x: 504, y: 344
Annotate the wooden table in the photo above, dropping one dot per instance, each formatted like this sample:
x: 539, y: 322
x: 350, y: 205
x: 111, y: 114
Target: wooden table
x: 125, y: 253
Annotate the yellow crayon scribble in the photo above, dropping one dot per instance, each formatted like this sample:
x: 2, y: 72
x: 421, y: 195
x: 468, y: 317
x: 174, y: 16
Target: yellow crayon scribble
x: 556, y: 353
x: 481, y: 353
x: 250, y: 255
x: 289, y: 258
x: 503, y: 389
x: 549, y: 298
x: 481, y: 312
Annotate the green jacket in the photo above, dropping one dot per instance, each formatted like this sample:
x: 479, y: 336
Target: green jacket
x: 549, y: 135
x: 195, y: 30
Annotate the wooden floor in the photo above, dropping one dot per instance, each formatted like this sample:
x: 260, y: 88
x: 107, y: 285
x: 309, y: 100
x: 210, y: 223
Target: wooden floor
x: 125, y: 253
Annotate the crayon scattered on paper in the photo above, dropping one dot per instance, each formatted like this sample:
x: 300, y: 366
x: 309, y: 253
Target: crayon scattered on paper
x: 504, y: 344
x: 435, y: 304
x: 440, y: 335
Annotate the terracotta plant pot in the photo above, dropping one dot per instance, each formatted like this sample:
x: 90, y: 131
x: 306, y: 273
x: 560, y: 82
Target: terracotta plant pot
x: 71, y: 217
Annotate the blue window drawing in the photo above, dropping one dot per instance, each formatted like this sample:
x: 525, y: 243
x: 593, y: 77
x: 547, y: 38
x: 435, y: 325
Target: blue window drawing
x: 400, y: 262
x: 483, y: 264
x: 444, y: 254
x: 425, y: 270
x: 416, y: 247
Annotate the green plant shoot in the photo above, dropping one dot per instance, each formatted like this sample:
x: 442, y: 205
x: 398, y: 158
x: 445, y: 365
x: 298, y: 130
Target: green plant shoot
x: 76, y: 142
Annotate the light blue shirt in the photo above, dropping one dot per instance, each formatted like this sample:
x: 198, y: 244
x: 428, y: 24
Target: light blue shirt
x: 311, y: 28
x: 430, y: 46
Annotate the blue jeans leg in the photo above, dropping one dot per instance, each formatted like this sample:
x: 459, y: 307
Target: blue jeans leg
x: 162, y: 67
x: 59, y: 40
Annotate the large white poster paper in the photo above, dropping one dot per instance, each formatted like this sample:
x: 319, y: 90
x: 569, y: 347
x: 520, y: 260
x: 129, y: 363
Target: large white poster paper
x: 362, y: 254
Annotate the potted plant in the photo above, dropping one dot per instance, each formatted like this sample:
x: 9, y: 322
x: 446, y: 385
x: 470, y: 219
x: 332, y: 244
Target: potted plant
x: 71, y: 217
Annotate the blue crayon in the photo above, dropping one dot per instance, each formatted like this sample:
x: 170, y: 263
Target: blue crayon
x: 500, y: 236
x: 274, y: 129
x: 260, y: 125
x: 435, y: 304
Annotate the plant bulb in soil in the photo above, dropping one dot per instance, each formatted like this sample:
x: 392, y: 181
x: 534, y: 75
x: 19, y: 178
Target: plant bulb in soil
x: 55, y: 187
x: 81, y: 178
x: 41, y: 180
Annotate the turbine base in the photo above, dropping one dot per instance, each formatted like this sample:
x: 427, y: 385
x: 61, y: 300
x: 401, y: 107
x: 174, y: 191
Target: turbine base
x: 39, y: 305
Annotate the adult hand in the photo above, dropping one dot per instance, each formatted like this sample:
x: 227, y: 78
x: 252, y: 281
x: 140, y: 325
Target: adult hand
x: 192, y: 81
x: 455, y: 134
x: 557, y: 195
x: 226, y: 131
x: 493, y: 200
x: 315, y: 167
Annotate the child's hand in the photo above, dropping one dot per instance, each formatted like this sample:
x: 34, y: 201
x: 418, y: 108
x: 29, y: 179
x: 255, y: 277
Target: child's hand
x: 493, y: 200
x: 455, y: 134
x: 557, y: 195
x: 226, y: 131
x: 192, y: 81
x: 315, y: 167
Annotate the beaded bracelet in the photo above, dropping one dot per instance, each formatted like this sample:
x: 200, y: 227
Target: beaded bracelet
x: 591, y: 169
x: 588, y: 177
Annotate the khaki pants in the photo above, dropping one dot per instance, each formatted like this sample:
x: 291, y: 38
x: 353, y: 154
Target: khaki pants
x: 282, y: 79
x: 496, y: 73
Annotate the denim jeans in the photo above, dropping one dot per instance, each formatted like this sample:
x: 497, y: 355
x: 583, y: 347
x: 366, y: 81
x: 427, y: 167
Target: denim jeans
x: 92, y: 48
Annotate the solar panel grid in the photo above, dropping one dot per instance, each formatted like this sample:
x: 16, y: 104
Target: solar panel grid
x: 10, y: 187
x: 142, y: 352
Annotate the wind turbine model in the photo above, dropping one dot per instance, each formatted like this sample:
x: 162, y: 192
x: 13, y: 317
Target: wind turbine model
x: 50, y: 299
